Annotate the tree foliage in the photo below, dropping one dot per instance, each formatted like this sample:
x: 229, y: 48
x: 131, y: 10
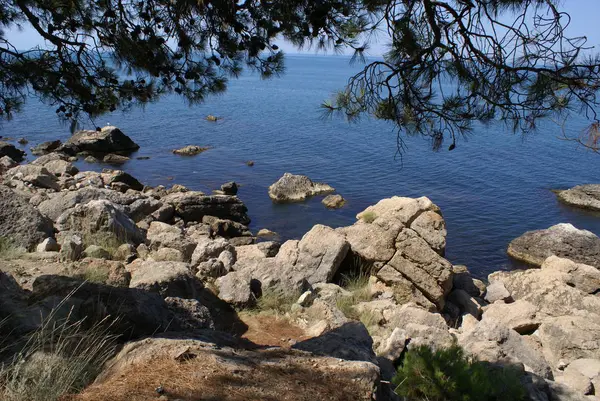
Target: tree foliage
x: 448, y: 375
x: 450, y: 62
x: 103, y: 55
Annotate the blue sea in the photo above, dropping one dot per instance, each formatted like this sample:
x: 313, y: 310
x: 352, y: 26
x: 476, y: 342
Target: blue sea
x: 492, y: 188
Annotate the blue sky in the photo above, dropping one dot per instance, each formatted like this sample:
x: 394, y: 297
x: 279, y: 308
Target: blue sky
x: 584, y: 15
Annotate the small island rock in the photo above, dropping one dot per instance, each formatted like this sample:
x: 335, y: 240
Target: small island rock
x: 296, y: 188
x: 334, y: 201
x: 108, y: 140
x: 562, y: 240
x: 112, y: 158
x: 582, y: 196
x: 6, y: 149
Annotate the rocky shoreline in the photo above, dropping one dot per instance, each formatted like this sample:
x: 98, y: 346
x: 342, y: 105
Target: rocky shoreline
x: 180, y: 269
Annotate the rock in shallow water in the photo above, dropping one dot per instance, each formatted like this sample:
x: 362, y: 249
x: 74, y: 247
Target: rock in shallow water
x: 333, y: 201
x: 296, y: 188
x: 109, y: 139
x: 562, y: 240
x: 583, y: 196
x: 6, y: 149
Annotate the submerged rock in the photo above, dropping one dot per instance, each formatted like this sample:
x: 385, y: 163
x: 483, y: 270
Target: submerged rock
x: 115, y: 159
x: 296, y: 188
x: 6, y: 149
x: 563, y: 240
x: 583, y: 196
x: 190, y: 150
x: 108, y: 140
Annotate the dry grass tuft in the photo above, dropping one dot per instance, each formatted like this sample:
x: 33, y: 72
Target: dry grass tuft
x: 9, y: 250
x: 59, y: 358
x: 276, y: 302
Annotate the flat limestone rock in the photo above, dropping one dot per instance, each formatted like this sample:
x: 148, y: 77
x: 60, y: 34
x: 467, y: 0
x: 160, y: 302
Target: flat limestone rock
x: 582, y: 196
x: 562, y: 240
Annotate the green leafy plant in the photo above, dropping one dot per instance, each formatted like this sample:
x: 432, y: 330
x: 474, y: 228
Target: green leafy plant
x: 449, y: 375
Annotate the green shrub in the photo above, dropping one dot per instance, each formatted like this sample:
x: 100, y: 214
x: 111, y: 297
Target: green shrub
x: 449, y: 375
x: 368, y: 217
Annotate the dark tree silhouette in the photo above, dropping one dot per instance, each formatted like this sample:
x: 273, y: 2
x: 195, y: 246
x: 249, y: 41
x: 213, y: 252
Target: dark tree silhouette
x: 450, y: 63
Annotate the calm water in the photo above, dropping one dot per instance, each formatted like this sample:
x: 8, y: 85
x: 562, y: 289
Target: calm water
x: 491, y: 188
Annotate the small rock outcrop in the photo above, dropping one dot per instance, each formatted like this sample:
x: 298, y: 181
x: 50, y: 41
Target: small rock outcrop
x: 582, y: 196
x: 563, y: 240
x: 190, y: 150
x: 36, y: 176
x: 333, y: 201
x: 6, y: 149
x: 108, y: 140
x: 296, y: 188
x: 45, y: 147
x: 193, y: 206
x: 21, y: 222
x: 557, y: 303
x: 406, y: 237
x: 100, y: 216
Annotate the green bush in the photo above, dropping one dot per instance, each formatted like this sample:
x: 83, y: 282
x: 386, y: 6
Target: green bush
x: 449, y: 375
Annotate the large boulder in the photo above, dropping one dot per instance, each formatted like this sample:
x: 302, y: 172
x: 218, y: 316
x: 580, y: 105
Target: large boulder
x: 109, y: 139
x: 100, y: 216
x: 6, y: 149
x: 58, y: 203
x: 350, y: 341
x: 60, y: 168
x: 316, y: 258
x: 582, y: 196
x: 563, y: 240
x: 136, y: 312
x: 169, y: 279
x: 296, y: 188
x: 37, y: 176
x: 112, y: 177
x: 193, y: 206
x: 162, y: 235
x: 406, y: 235
x: 21, y: 222
x: 495, y: 343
